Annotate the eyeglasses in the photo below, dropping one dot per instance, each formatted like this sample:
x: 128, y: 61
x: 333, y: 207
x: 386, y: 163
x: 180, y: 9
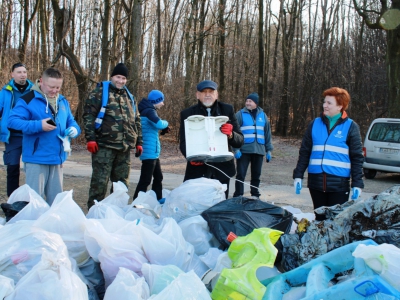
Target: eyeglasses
x: 17, y: 65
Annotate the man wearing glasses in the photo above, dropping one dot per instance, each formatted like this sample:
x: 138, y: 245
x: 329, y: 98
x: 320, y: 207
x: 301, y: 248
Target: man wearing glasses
x: 18, y: 86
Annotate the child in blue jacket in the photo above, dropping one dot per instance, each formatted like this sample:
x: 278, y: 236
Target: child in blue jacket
x: 151, y: 124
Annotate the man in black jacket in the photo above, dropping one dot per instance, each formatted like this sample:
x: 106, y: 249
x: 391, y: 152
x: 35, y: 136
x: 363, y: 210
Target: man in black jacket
x: 208, y: 105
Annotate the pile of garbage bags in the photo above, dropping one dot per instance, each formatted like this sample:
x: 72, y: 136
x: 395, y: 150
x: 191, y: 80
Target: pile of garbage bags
x: 179, y: 249
x: 142, y: 250
x: 377, y: 217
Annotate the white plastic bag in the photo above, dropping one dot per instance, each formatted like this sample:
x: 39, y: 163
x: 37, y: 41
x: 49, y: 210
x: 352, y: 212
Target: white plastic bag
x: 133, y: 214
x: 127, y: 286
x: 6, y: 286
x: 101, y: 210
x: 119, y: 196
x: 383, y: 259
x: 22, y: 245
x: 186, y: 286
x: 114, y: 243
x: 210, y: 258
x: 195, y: 230
x: 159, y: 277
x: 52, y: 278
x: 33, y: 210
x: 147, y: 203
x: 66, y: 218
x: 193, y: 197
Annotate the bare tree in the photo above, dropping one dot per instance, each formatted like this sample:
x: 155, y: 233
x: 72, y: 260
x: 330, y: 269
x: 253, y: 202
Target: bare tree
x: 369, y: 11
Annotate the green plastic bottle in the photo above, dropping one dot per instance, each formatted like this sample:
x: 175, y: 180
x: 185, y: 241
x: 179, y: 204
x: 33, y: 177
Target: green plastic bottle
x: 247, y: 253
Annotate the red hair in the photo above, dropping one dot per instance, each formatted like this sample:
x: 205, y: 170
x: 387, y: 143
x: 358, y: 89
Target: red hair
x: 341, y: 95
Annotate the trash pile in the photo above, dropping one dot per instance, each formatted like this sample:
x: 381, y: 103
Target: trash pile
x: 196, y: 245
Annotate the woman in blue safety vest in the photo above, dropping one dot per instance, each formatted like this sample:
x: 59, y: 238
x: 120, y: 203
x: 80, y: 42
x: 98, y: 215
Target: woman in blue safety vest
x: 332, y: 151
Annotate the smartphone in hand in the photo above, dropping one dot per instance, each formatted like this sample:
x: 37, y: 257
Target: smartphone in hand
x: 51, y: 122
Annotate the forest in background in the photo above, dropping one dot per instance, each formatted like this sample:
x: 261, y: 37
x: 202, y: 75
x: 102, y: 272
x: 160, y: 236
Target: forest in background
x: 288, y: 51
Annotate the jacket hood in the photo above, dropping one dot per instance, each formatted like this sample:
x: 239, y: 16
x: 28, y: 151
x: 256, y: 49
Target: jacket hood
x: 145, y: 104
x: 11, y: 84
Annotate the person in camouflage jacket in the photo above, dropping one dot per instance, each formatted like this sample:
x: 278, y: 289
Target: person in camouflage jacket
x: 111, y: 137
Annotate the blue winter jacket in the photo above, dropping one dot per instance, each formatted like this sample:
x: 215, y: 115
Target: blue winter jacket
x: 151, y: 124
x: 38, y: 146
x: 9, y: 96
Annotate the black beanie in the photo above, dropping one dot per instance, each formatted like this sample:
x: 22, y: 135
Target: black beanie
x: 254, y: 97
x: 120, y: 69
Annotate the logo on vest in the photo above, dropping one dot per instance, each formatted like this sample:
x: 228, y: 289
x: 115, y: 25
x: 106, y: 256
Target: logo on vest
x: 338, y: 134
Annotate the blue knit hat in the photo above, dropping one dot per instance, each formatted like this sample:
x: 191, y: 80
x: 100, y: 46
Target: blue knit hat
x: 253, y: 97
x: 155, y: 96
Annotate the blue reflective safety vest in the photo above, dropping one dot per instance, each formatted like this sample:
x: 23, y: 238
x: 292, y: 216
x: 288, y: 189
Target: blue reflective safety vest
x: 330, y: 153
x: 251, y: 129
x: 104, y: 101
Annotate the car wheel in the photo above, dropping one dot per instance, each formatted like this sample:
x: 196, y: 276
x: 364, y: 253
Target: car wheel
x: 369, y: 174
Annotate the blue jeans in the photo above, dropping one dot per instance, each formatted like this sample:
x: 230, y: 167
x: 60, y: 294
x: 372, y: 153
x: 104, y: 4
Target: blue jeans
x: 242, y: 165
x: 11, y: 158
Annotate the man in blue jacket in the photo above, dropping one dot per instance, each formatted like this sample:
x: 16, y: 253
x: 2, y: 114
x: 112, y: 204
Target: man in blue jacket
x: 43, y: 116
x: 257, y: 144
x: 151, y: 124
x: 18, y: 86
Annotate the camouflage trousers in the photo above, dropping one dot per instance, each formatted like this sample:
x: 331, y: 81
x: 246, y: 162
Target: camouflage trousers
x: 108, y: 164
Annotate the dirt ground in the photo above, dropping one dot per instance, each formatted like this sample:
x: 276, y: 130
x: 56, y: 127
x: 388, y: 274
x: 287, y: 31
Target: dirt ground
x: 277, y: 172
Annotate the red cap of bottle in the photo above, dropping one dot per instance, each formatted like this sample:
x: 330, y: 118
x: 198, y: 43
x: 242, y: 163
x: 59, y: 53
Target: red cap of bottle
x: 231, y: 236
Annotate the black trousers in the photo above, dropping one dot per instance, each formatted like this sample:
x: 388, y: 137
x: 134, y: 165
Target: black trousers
x: 242, y: 164
x: 151, y: 169
x: 320, y: 198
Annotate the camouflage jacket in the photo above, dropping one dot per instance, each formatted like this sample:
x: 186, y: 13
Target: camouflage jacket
x: 121, y: 128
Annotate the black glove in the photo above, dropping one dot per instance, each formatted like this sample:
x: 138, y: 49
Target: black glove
x: 165, y: 130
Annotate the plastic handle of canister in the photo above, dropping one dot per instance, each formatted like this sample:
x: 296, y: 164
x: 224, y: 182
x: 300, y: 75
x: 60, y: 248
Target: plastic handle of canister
x: 231, y: 236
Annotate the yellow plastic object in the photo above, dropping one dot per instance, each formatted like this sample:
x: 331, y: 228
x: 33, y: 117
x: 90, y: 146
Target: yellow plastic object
x: 247, y: 253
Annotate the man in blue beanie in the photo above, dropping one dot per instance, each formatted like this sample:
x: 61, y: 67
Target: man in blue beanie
x: 257, y: 144
x: 151, y: 124
x: 10, y: 94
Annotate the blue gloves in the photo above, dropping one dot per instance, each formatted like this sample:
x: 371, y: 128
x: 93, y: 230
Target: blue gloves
x: 238, y: 154
x: 268, y: 157
x: 298, y: 185
x: 71, y: 131
x: 356, y: 192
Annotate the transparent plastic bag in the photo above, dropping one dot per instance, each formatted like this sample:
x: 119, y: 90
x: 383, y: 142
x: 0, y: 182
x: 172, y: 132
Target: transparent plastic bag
x: 67, y: 219
x: 128, y: 286
x: 195, y: 230
x: 33, y: 210
x: 159, y: 277
x: 50, y: 278
x: 383, y: 259
x: 6, y: 286
x: 186, y: 286
x: 193, y: 197
x: 22, y: 245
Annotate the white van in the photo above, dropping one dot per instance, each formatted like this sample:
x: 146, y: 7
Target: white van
x: 382, y: 147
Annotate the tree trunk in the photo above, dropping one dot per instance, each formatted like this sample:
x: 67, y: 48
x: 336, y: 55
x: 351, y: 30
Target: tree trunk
x: 393, y: 67
x: 134, y: 64
x: 62, y: 19
x: 26, y: 27
x: 261, y: 54
x: 105, y: 36
x: 221, y: 54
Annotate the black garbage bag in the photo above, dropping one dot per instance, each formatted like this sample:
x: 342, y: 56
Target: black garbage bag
x: 10, y: 210
x: 241, y: 215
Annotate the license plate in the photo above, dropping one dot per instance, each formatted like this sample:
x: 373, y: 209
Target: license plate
x: 389, y: 151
